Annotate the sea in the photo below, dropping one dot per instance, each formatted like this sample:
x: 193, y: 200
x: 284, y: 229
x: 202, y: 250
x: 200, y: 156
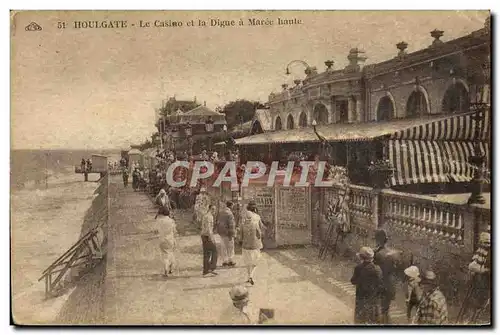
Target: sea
x: 48, y: 202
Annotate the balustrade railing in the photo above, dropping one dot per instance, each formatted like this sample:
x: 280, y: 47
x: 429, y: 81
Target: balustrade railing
x: 411, y: 214
x: 422, y: 216
x: 360, y: 202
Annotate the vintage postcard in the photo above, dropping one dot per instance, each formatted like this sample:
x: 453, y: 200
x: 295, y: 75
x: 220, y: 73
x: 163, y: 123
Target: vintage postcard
x: 250, y: 167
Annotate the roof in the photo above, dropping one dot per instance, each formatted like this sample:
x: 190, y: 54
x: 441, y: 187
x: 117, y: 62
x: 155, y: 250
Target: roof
x: 202, y: 110
x: 339, y: 132
x: 134, y: 152
x: 265, y: 119
x: 332, y: 76
x: 456, y: 45
x: 198, y: 115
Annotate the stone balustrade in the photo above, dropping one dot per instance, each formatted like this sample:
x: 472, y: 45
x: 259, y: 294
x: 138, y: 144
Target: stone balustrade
x: 417, y: 217
x: 413, y: 214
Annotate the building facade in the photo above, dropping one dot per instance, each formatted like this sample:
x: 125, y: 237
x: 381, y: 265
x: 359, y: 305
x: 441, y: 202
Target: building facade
x: 414, y: 110
x: 439, y: 79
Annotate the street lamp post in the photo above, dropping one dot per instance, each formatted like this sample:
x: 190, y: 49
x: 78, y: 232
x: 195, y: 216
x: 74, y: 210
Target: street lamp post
x: 209, y: 127
x: 189, y: 133
x: 479, y: 106
x: 296, y: 61
x: 322, y: 139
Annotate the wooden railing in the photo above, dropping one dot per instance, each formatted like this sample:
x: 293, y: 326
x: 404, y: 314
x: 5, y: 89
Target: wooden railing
x: 82, y: 253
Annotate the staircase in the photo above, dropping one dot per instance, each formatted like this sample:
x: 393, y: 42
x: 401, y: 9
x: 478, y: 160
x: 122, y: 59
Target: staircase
x: 85, y: 252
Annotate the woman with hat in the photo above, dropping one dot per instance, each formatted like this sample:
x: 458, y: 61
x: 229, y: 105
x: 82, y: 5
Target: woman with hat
x: 250, y: 235
x: 480, y: 289
x: 167, y: 231
x: 413, y: 292
x: 368, y: 280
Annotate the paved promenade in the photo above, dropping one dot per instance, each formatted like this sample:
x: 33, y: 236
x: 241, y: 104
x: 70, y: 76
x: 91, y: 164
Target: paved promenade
x: 301, y: 289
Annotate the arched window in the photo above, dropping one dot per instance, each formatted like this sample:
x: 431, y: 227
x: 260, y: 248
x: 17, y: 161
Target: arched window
x: 303, y: 120
x: 385, y: 109
x: 289, y: 122
x: 277, y: 124
x: 321, y: 114
x: 456, y: 99
x: 416, y: 105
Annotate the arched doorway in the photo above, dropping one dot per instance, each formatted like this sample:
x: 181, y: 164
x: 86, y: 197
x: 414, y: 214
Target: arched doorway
x: 256, y: 128
x: 385, y: 109
x: 303, y: 120
x: 289, y: 122
x: 321, y: 114
x: 277, y: 124
x: 456, y: 99
x: 417, y: 104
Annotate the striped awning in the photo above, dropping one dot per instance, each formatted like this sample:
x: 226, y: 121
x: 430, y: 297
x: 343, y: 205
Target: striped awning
x: 453, y: 128
x: 417, y: 161
x: 439, y: 150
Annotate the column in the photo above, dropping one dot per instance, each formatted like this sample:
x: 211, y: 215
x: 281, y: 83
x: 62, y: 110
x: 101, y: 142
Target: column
x: 333, y: 110
x: 359, y: 108
x: 351, y: 105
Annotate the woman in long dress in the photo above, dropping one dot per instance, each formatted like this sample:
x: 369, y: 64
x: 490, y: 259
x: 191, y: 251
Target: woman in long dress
x: 163, y: 200
x: 250, y: 235
x: 167, y: 232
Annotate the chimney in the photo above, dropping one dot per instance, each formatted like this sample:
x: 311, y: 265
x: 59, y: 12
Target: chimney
x: 402, y: 48
x: 355, y: 58
x: 436, y: 34
x: 205, y: 103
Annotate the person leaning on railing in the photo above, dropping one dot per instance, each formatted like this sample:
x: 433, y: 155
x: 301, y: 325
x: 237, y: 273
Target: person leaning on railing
x: 480, y: 278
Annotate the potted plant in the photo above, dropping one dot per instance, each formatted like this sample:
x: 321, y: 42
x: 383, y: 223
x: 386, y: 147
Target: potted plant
x: 380, y: 172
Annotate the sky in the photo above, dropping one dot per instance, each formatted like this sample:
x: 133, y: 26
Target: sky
x: 98, y: 88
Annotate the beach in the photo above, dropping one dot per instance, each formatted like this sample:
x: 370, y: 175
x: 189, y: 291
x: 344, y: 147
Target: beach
x: 45, y: 222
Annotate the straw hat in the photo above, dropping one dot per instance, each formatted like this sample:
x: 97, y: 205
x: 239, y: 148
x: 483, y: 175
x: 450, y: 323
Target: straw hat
x: 412, y: 271
x: 239, y: 293
x: 366, y: 253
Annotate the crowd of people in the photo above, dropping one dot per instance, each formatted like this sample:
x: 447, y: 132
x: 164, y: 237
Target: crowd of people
x: 375, y: 281
x: 375, y: 277
x: 218, y: 234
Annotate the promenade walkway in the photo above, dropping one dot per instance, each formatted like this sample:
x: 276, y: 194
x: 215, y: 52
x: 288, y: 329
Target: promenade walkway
x: 136, y: 293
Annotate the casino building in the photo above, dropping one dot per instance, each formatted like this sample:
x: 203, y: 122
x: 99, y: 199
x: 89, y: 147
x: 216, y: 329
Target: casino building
x: 414, y: 110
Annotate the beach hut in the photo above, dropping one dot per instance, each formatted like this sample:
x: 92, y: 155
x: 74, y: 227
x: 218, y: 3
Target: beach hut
x: 135, y: 155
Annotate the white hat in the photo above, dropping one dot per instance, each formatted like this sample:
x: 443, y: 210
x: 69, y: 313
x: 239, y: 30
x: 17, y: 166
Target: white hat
x: 366, y: 253
x: 203, y: 189
x: 238, y: 293
x: 412, y: 271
